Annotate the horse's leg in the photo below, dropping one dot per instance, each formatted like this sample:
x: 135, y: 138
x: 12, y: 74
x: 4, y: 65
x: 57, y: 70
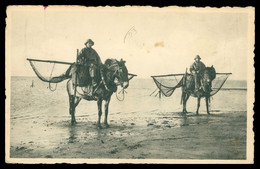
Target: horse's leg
x: 207, y: 104
x: 99, y: 104
x: 72, y: 109
x: 106, y: 111
x: 72, y: 102
x: 75, y: 104
x: 185, y: 99
x: 198, y: 106
x: 184, y: 102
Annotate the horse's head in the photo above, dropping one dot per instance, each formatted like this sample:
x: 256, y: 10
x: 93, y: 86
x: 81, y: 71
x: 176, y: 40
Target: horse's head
x: 208, y: 75
x: 119, y: 71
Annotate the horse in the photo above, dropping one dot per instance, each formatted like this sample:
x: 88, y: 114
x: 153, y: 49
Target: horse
x: 188, y: 88
x: 114, y: 72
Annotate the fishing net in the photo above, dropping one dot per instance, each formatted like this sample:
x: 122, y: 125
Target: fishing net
x: 167, y: 83
x: 218, y: 82
x: 55, y: 71
x: 49, y: 71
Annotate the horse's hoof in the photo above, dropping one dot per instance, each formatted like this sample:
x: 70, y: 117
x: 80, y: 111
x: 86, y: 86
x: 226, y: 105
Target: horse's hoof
x: 106, y: 125
x: 99, y: 126
x: 73, y: 122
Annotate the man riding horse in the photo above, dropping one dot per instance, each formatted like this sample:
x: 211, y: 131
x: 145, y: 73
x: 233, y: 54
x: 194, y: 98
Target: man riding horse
x: 89, y: 63
x: 197, y: 68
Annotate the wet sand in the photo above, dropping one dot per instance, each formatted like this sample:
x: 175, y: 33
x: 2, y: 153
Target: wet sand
x: 215, y: 136
x: 141, y: 127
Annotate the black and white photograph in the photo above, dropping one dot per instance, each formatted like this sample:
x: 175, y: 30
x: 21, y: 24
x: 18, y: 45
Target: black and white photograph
x: 132, y: 84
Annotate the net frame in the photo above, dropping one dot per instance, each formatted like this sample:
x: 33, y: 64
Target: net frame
x: 167, y: 91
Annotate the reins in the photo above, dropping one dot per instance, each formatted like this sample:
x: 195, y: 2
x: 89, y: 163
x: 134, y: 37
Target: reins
x: 123, y: 92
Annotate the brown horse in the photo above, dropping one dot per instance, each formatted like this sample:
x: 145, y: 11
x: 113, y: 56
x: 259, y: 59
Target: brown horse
x: 115, y: 73
x: 188, y: 88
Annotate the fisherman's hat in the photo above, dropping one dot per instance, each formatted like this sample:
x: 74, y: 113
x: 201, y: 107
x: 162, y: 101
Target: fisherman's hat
x: 89, y: 41
x: 197, y: 57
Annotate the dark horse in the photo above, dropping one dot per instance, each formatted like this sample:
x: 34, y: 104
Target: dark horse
x: 188, y: 88
x: 115, y: 73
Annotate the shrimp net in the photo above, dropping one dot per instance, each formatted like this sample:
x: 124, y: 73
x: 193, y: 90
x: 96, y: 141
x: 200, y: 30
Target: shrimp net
x: 49, y: 71
x: 166, y: 84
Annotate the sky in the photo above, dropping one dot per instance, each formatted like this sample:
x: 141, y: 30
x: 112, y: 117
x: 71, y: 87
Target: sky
x: 152, y: 41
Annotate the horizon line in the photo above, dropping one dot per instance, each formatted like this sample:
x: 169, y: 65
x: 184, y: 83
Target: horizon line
x: 134, y: 77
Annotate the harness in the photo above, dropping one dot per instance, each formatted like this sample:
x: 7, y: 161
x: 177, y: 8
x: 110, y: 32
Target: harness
x: 109, y: 79
x: 115, y: 74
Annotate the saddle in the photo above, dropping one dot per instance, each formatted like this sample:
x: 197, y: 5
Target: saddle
x: 83, y: 78
x: 191, y: 83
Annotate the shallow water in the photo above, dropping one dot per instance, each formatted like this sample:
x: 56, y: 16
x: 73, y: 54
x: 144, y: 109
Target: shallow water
x: 39, y: 101
x: 40, y: 118
x: 138, y: 107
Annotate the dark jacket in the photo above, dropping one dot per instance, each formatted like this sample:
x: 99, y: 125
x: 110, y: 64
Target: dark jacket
x: 197, y: 66
x: 88, y: 55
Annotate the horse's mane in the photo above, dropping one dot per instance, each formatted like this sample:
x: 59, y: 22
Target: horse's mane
x: 211, y: 71
x: 110, y: 61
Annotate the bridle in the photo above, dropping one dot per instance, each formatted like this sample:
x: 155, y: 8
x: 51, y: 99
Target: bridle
x: 116, y: 69
x: 116, y: 74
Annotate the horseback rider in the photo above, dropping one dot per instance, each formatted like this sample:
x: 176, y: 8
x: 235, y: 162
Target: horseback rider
x: 197, y: 68
x: 90, y: 59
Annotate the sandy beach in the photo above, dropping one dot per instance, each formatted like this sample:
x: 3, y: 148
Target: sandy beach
x: 159, y: 45
x: 141, y: 126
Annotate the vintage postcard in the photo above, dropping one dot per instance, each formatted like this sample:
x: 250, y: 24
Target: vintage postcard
x: 133, y: 84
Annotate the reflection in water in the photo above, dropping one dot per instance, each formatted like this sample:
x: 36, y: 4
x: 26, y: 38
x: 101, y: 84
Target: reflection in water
x: 78, y: 133
x: 72, y: 134
x: 185, y: 121
x: 188, y: 120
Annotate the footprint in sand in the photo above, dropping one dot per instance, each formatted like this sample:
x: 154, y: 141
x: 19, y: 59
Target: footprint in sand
x: 134, y: 146
x: 165, y: 122
x: 114, y: 151
x: 20, y: 148
x: 150, y: 124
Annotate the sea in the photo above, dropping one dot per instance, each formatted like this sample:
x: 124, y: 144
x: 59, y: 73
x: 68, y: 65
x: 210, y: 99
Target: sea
x: 40, y: 119
x: 32, y: 98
